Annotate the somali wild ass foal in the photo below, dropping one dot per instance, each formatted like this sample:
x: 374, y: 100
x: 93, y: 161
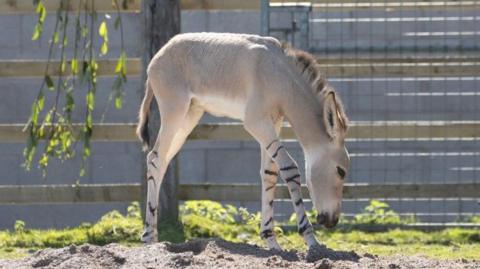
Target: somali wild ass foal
x: 259, y: 81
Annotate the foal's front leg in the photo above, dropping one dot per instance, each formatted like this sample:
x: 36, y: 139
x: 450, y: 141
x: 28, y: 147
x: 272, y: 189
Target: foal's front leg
x: 290, y: 173
x: 263, y: 130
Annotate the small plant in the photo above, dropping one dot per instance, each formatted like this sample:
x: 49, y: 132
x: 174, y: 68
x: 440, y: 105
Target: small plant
x: 19, y: 227
x: 133, y: 210
x: 378, y: 212
x: 114, y: 227
x: 311, y: 214
x: 469, y: 219
x: 212, y: 219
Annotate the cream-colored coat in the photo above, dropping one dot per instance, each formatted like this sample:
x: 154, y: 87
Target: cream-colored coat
x: 259, y: 81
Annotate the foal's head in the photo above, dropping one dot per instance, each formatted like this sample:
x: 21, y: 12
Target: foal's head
x: 329, y: 162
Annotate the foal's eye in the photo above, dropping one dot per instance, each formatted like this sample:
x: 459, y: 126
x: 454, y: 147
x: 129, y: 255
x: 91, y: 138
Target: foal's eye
x: 341, y: 172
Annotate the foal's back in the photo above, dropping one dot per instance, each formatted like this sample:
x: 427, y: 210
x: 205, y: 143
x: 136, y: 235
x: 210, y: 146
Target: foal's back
x: 216, y: 70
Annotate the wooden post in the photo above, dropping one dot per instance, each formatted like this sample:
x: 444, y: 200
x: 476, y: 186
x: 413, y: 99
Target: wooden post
x: 161, y: 22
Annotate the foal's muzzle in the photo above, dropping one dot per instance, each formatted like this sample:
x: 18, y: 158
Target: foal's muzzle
x: 326, y: 220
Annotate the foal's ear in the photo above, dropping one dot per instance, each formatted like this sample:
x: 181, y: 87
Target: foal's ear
x: 334, y: 117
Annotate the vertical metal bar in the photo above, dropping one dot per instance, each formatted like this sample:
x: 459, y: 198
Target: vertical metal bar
x: 304, y: 20
x: 265, y: 18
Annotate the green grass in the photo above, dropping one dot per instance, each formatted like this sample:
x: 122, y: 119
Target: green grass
x: 447, y: 244
x: 14, y: 253
x: 211, y: 219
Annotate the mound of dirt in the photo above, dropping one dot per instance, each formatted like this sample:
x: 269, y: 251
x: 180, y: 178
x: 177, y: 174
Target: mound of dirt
x: 215, y: 253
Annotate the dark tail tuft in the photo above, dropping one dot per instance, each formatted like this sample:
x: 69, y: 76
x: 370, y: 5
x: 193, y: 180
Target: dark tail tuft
x: 142, y: 127
x: 145, y: 135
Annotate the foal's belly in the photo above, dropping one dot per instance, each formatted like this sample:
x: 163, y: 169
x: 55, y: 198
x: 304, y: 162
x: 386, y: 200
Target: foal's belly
x: 222, y: 106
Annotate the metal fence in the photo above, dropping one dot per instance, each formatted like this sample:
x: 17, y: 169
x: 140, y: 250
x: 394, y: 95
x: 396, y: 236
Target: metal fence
x: 403, y: 61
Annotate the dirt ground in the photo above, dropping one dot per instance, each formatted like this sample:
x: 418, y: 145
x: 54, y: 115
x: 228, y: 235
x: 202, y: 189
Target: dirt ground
x: 216, y: 253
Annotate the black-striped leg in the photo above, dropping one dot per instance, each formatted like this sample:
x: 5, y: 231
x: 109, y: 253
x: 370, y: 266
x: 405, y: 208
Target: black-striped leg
x: 288, y: 170
x: 269, y: 175
x: 153, y: 181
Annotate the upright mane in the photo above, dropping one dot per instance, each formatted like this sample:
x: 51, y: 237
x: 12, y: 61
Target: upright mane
x: 309, y: 69
x: 307, y: 65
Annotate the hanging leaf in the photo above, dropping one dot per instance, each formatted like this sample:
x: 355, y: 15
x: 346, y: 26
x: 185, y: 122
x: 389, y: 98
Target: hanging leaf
x: 118, y: 102
x: 36, y: 32
x: 49, y: 82
x: 90, y: 100
x: 63, y: 66
x: 70, y: 102
x: 121, y: 66
x: 104, y: 48
x: 55, y: 37
x: 117, y: 22
x: 102, y: 30
x: 41, y: 102
x: 74, y: 65
x: 42, y: 13
x: 65, y: 41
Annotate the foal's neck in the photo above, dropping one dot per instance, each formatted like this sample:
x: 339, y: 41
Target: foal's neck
x: 305, y: 115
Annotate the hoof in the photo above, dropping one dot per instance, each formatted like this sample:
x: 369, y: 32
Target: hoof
x: 310, y: 240
x: 148, y: 237
x: 272, y: 244
x: 276, y: 248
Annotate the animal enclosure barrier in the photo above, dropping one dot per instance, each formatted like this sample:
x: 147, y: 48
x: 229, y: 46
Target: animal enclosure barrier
x: 407, y: 72
x: 399, y: 62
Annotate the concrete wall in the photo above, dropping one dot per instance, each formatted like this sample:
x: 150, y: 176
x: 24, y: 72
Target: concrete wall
x: 365, y: 99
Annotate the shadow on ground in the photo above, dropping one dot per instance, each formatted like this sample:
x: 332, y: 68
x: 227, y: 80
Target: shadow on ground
x: 315, y: 253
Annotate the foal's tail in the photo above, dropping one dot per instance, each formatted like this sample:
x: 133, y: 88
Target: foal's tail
x: 142, y: 126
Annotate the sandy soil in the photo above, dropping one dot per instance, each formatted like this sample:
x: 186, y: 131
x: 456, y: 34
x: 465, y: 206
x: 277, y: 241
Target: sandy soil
x: 215, y: 253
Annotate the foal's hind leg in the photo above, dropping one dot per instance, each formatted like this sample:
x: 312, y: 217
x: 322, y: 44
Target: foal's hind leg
x: 176, y: 125
x: 269, y: 175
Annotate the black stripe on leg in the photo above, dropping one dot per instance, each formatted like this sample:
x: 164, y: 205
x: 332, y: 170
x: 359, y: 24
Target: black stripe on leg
x: 276, y: 152
x: 266, y: 234
x: 271, y: 143
x: 268, y: 221
x: 298, y: 202
x: 269, y: 172
x: 292, y: 179
x: 153, y: 164
x: 301, y: 221
x: 151, y: 209
x: 151, y: 178
x: 146, y: 233
x: 293, y: 166
x: 308, y: 232
x: 302, y: 229
x: 270, y: 203
x: 269, y: 188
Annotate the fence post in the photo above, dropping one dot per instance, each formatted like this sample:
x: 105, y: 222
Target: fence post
x: 304, y: 22
x: 161, y: 22
x: 265, y: 17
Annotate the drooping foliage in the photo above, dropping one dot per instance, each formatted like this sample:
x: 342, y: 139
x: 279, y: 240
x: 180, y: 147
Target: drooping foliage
x: 65, y: 74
